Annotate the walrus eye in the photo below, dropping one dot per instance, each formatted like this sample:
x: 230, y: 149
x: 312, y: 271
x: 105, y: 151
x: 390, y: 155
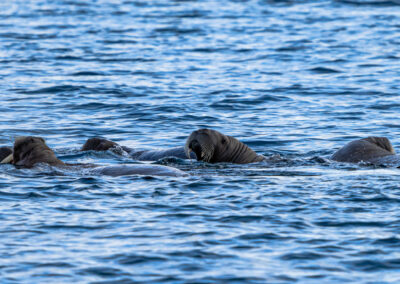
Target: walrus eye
x: 223, y: 141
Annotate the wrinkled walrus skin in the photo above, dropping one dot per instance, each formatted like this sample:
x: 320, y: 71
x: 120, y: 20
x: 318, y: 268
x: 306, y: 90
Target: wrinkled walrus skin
x: 29, y: 151
x: 214, y: 147
x: 101, y: 144
x: 374, y: 150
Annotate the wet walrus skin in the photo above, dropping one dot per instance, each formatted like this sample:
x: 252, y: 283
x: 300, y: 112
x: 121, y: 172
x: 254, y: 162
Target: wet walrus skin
x: 101, y: 144
x: 214, y: 147
x: 29, y: 151
x: 376, y: 150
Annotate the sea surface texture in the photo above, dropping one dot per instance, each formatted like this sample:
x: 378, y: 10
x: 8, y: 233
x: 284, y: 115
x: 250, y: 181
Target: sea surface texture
x: 294, y: 80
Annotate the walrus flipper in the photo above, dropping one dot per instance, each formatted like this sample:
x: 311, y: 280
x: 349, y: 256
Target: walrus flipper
x: 366, y: 149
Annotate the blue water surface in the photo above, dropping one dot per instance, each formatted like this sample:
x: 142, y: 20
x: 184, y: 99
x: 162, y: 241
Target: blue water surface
x: 295, y: 80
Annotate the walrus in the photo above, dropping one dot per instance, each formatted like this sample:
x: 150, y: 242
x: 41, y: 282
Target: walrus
x: 214, y: 147
x: 375, y: 150
x: 29, y: 151
x: 101, y: 144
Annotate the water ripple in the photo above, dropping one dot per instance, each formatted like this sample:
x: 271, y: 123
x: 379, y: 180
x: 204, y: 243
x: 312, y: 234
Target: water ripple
x: 294, y: 80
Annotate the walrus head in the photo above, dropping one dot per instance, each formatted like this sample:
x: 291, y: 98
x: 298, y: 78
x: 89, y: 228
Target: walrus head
x: 98, y: 144
x: 29, y: 150
x: 212, y: 146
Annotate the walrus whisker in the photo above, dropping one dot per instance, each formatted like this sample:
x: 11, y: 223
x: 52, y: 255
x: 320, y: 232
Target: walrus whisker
x: 7, y: 159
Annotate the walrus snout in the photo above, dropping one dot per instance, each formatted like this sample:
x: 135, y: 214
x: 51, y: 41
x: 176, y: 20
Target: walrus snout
x: 195, y: 146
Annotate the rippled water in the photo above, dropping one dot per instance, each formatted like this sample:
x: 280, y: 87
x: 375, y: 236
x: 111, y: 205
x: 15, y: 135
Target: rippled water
x: 297, y: 79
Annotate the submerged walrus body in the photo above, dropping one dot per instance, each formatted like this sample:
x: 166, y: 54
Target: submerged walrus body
x: 29, y: 151
x: 375, y: 150
x: 101, y: 144
x: 214, y: 147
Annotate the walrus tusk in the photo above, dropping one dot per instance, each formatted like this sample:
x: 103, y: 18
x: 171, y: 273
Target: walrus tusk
x: 188, y: 154
x: 7, y: 159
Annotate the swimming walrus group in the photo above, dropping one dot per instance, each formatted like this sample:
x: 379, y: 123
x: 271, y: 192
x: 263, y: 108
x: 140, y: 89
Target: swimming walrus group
x: 205, y: 145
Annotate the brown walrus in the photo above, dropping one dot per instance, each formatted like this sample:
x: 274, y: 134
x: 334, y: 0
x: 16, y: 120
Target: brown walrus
x: 29, y: 151
x: 375, y: 150
x: 101, y: 144
x: 213, y: 147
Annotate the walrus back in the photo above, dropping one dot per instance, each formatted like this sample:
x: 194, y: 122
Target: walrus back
x: 366, y: 150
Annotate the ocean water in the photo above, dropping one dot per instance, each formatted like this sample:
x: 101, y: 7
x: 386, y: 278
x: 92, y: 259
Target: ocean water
x: 295, y: 80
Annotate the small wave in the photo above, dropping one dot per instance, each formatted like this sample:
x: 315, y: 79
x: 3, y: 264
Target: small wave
x: 102, y: 271
x: 54, y: 89
x: 262, y: 236
x: 134, y: 259
x: 67, y: 227
x: 87, y: 73
x: 178, y: 30
x: 199, y: 254
x: 303, y: 256
x: 324, y: 70
x: 390, y: 242
x: 392, y: 106
x: 351, y: 224
x: 370, y: 265
x: 370, y: 2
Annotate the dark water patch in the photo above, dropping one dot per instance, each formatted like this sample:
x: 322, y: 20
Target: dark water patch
x: 351, y: 224
x: 68, y: 57
x: 389, y: 242
x: 376, y: 199
x: 121, y: 60
x: 20, y: 36
x: 135, y: 259
x: 51, y: 264
x: 79, y: 228
x: 382, y: 3
x: 262, y: 236
x: 54, y: 89
x: 241, y: 219
x: 302, y: 256
x: 28, y: 195
x: 88, y: 73
x: 385, y: 106
x: 207, y: 50
x: 324, y: 70
x: 102, y: 271
x: 175, y: 30
x: 199, y: 254
x: 119, y: 41
x: 291, y: 48
x: 74, y: 209
x: 368, y: 265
